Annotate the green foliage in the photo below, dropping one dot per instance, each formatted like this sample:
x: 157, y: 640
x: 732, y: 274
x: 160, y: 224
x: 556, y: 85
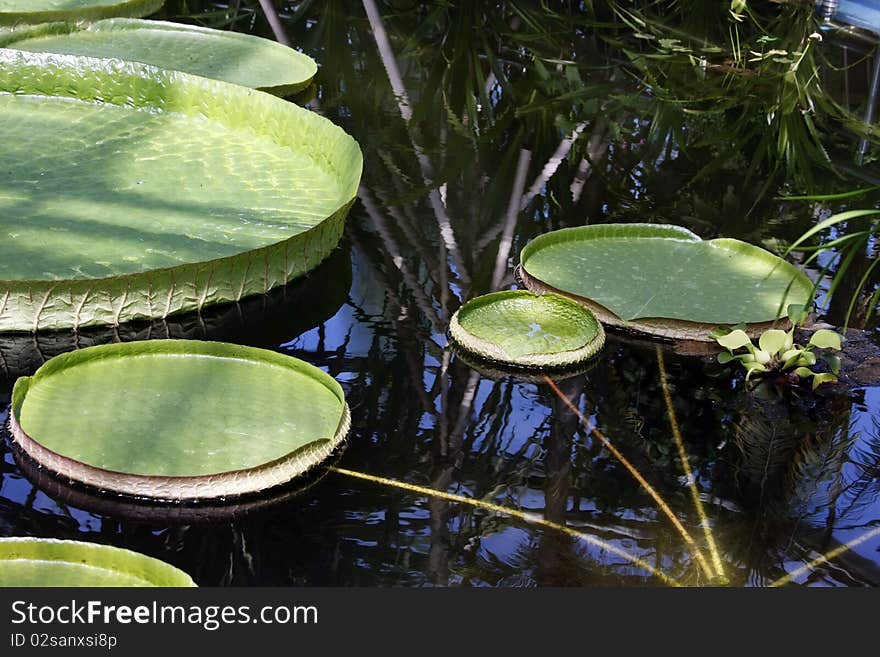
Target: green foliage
x: 777, y: 352
x: 848, y: 244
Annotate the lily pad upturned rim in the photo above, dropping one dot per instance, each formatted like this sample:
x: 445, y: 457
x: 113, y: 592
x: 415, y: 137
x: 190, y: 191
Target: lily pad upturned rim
x: 490, y: 369
x: 185, y: 512
x: 121, y: 8
x: 673, y: 330
x: 227, y: 484
x: 32, y: 305
x: 152, y: 571
x: 15, y: 39
x: 493, y: 353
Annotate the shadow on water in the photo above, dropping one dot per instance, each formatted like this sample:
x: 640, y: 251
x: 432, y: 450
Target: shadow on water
x: 783, y: 475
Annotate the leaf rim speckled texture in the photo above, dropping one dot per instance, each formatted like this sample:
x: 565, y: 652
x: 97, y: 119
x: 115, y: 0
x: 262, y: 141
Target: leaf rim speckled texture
x: 490, y: 351
x: 673, y: 329
x: 121, y: 8
x: 39, y: 552
x: 296, y: 75
x: 38, y: 305
x: 226, y: 484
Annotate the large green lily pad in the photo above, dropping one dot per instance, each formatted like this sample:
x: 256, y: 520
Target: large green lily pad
x: 222, y: 55
x: 664, y: 280
x: 43, y: 11
x: 130, y: 192
x: 520, y: 329
x: 178, y: 419
x: 48, y: 562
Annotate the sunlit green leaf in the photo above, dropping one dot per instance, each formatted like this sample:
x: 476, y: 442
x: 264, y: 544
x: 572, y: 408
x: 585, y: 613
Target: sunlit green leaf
x: 826, y: 339
x: 734, y: 340
x: 774, y: 341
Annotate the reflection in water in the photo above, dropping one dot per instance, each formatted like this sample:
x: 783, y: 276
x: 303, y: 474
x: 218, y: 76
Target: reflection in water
x: 454, y: 476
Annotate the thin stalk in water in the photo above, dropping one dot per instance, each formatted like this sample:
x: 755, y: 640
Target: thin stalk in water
x: 686, y: 467
x: 825, y: 558
x: 664, y: 507
x: 514, y: 513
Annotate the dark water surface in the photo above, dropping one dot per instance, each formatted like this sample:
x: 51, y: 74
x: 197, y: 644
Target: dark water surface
x: 784, y: 475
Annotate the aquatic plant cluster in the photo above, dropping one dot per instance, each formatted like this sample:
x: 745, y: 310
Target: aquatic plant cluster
x: 209, y: 168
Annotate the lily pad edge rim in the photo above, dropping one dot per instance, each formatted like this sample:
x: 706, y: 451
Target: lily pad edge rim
x: 674, y: 330
x: 121, y: 9
x: 491, y: 352
x: 133, y: 292
x: 228, y: 484
x: 121, y: 24
x: 181, y: 578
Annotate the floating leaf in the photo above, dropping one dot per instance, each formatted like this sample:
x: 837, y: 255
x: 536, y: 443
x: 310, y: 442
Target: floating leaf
x: 735, y: 340
x: 518, y: 328
x: 16, y: 12
x: 775, y: 341
x: 762, y: 356
x: 136, y: 223
x: 47, y: 562
x: 819, y: 379
x: 654, y: 278
x: 833, y: 361
x: 807, y: 358
x: 219, y: 54
x: 825, y: 339
x: 178, y: 419
x: 751, y: 368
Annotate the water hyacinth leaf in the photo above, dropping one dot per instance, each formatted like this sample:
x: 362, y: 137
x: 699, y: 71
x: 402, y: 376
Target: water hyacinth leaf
x: 807, y: 358
x: 804, y: 372
x: 826, y: 339
x: 735, y: 340
x: 752, y: 368
x: 150, y: 426
x: 520, y: 329
x: 664, y: 280
x: 14, y: 12
x: 775, y: 341
x: 833, y: 361
x: 125, y: 218
x: 762, y: 356
x: 791, y: 358
x: 30, y: 562
x: 726, y: 357
x: 219, y: 54
x: 823, y: 377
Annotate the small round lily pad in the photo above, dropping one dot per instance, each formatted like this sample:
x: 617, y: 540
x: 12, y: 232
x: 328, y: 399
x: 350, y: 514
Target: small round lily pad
x: 178, y: 419
x: 520, y: 329
x: 50, y: 562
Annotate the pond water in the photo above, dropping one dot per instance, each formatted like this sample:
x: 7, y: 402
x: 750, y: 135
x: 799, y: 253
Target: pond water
x: 782, y: 475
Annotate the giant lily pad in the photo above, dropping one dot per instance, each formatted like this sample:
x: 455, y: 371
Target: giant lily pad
x: 50, y: 562
x: 178, y: 419
x: 222, y: 55
x: 272, y: 318
x: 520, y: 329
x: 664, y: 280
x: 42, y: 11
x: 129, y: 192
